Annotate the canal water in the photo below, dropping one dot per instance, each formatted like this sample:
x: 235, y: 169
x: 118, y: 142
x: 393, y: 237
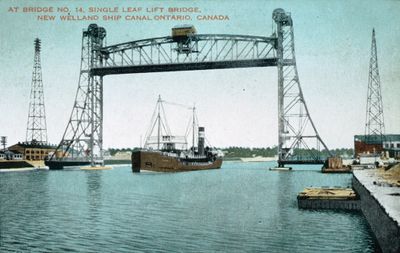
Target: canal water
x: 242, y: 207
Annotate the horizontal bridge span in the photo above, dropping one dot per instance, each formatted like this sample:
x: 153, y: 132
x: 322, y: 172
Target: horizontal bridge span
x: 198, y: 37
x: 194, y: 52
x: 102, y: 71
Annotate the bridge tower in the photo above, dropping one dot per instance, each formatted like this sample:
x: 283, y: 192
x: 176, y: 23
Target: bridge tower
x: 36, y: 130
x: 374, y: 126
x: 83, y: 136
x: 296, y: 130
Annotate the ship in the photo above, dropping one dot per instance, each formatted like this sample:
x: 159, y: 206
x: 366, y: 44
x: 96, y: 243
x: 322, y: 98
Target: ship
x: 165, y: 152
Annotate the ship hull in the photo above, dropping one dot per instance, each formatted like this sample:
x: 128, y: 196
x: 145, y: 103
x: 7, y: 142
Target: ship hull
x: 59, y: 165
x: 159, y: 162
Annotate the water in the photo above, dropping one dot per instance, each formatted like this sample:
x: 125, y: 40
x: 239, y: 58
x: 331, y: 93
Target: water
x: 241, y: 208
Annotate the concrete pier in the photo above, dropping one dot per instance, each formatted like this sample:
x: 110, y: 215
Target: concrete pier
x: 380, y: 204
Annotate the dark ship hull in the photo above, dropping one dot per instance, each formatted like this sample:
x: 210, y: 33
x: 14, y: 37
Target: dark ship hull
x: 162, y: 162
x: 59, y: 165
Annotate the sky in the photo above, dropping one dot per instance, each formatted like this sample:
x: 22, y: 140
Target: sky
x: 238, y: 107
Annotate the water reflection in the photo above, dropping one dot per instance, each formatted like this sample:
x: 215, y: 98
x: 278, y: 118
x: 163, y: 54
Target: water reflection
x: 285, y: 190
x: 94, y: 204
x: 15, y: 189
x: 94, y: 197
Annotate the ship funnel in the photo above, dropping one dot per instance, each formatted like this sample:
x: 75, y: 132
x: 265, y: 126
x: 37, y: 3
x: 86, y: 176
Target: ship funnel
x: 200, y: 145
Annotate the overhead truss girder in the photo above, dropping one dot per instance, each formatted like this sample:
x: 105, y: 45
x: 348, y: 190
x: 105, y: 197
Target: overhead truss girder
x: 204, y: 51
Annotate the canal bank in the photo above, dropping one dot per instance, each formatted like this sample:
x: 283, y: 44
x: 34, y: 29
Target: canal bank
x: 21, y: 165
x: 14, y: 164
x: 380, y: 204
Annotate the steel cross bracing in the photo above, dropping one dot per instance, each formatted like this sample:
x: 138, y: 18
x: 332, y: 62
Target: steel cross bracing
x: 205, y: 51
x: 82, y: 139
x: 374, y: 126
x: 36, y: 131
x: 296, y: 130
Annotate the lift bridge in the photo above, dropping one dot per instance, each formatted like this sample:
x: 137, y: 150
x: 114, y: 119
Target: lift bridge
x: 82, y: 142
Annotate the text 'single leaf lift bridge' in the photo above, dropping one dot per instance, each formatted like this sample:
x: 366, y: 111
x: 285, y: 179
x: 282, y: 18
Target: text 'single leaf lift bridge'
x: 82, y: 142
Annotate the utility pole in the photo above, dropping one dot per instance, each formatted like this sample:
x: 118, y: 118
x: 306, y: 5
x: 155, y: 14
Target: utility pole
x: 4, y: 142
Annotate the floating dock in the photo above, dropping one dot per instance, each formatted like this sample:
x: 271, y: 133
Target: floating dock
x: 328, y: 198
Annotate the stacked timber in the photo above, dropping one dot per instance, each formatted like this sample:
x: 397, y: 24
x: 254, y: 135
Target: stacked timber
x: 328, y: 198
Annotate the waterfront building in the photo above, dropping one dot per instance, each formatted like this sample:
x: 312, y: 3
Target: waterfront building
x: 10, y: 155
x: 391, y: 145
x: 122, y: 155
x: 32, y: 151
x: 387, y: 145
x: 16, y: 155
x: 2, y: 155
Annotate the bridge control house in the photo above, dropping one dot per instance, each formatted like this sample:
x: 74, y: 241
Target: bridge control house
x: 388, y: 145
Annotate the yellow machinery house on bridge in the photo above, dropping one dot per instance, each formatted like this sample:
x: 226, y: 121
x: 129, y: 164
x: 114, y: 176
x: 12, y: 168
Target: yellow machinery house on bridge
x: 31, y: 151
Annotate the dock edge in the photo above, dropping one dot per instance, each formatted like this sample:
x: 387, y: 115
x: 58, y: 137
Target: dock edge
x: 384, y: 227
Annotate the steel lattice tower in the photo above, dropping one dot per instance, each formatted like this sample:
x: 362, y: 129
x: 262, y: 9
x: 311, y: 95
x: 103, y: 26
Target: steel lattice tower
x: 36, y: 131
x: 83, y: 137
x: 374, y: 126
x: 296, y: 130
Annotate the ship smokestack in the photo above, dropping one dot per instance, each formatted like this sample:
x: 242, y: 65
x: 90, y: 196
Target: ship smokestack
x: 200, y: 145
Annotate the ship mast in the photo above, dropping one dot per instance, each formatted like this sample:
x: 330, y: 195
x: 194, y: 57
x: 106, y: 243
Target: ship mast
x: 162, y: 133
x: 159, y: 122
x: 194, y: 111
